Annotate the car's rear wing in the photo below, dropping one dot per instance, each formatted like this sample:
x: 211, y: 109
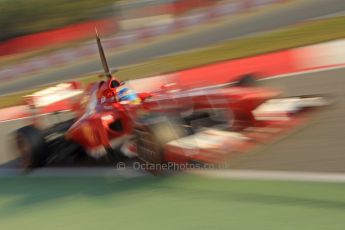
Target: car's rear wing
x: 63, y: 96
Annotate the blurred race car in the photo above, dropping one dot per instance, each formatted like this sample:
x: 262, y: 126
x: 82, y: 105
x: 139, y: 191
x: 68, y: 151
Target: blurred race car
x: 174, y: 123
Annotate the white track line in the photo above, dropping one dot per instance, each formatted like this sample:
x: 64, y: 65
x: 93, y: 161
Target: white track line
x: 257, y: 175
x: 272, y: 175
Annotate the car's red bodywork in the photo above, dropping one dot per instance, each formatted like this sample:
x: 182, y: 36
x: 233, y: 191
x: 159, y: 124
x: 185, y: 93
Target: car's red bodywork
x: 96, y: 128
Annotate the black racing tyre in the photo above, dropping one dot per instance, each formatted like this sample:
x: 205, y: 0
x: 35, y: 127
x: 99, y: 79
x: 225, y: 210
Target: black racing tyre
x: 31, y: 146
x: 64, y: 152
x: 247, y: 80
x: 152, y: 137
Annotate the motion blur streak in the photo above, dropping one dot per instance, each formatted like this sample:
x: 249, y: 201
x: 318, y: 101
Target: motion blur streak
x: 245, y: 134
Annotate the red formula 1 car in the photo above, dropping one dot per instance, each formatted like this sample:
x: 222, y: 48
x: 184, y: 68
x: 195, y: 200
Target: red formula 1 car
x: 171, y: 124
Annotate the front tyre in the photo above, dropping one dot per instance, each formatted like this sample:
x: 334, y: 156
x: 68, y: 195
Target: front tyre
x: 152, y: 137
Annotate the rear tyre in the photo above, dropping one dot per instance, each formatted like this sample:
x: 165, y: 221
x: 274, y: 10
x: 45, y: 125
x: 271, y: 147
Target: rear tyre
x: 31, y: 146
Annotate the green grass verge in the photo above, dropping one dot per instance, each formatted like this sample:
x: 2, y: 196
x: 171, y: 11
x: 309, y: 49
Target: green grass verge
x: 178, y: 202
x: 299, y: 35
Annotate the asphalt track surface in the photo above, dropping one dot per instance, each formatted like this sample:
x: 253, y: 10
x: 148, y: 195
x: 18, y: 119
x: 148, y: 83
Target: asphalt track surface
x: 316, y: 147
x: 289, y: 14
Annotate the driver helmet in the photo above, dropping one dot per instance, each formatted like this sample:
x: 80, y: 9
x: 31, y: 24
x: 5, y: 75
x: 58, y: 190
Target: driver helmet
x: 125, y: 94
